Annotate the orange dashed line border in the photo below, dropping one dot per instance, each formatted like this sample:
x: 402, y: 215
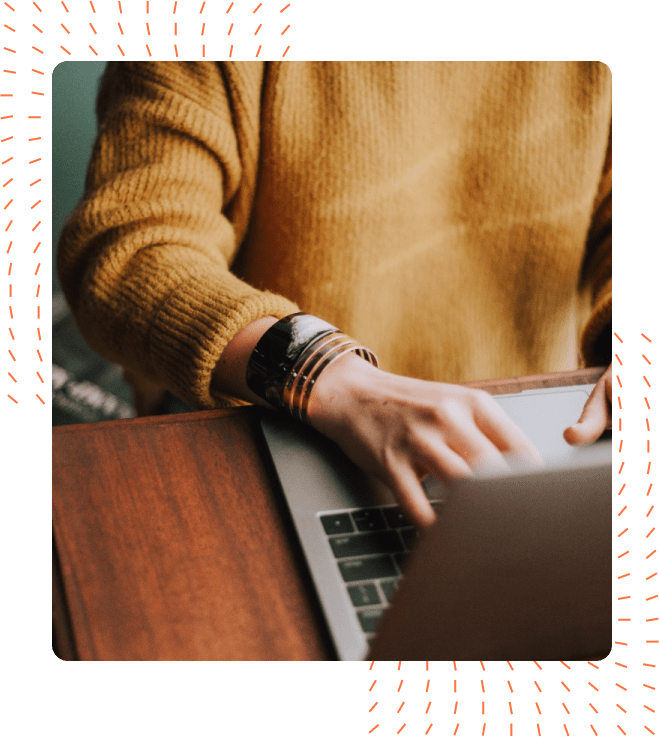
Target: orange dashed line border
x: 92, y: 51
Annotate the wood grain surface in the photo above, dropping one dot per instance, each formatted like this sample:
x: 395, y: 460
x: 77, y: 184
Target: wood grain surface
x: 172, y: 544
x: 539, y: 381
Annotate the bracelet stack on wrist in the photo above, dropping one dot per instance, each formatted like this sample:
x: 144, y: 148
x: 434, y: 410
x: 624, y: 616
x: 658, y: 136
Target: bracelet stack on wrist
x: 291, y: 355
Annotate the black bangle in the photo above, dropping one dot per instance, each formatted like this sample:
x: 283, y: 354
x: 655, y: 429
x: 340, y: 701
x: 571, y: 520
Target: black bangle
x: 278, y: 350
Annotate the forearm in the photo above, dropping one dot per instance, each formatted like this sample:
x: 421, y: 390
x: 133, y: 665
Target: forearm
x: 144, y: 259
x: 396, y: 428
x: 229, y: 375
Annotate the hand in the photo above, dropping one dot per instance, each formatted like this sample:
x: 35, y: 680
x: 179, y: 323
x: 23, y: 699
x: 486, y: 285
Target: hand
x: 402, y: 429
x: 396, y: 428
x: 596, y: 415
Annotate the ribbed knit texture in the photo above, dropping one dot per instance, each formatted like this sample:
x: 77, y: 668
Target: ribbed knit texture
x: 454, y: 217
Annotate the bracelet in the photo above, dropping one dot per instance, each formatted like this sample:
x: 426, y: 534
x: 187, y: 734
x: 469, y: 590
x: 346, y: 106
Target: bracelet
x: 278, y: 351
x: 299, y: 401
x: 291, y: 355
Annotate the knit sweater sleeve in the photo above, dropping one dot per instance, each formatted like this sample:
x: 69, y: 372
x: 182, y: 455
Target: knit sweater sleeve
x: 144, y: 260
x: 596, y: 274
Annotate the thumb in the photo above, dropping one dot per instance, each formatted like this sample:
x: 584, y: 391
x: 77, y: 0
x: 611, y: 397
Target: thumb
x: 593, y: 420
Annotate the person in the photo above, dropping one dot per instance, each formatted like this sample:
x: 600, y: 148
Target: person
x: 453, y: 217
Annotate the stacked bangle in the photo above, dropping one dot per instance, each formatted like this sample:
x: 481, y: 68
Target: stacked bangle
x: 291, y: 355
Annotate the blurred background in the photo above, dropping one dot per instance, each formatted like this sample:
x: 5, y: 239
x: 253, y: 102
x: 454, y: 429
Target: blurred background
x: 86, y: 387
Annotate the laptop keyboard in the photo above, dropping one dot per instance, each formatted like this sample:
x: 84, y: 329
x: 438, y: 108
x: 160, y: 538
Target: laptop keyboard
x: 370, y: 547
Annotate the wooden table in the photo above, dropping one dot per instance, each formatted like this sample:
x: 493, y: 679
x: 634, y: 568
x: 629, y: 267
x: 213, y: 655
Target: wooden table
x: 171, y: 542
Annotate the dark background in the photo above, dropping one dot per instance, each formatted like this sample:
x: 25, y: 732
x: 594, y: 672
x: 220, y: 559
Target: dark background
x: 86, y: 387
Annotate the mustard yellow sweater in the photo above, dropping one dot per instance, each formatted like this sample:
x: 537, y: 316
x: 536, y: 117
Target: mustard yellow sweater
x: 454, y: 217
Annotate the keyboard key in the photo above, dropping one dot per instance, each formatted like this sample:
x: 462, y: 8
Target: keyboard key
x: 410, y: 536
x: 336, y: 524
x: 368, y: 520
x: 400, y: 560
x: 370, y: 619
x: 364, y: 594
x: 388, y: 588
x: 395, y: 517
x: 362, y: 569
x: 368, y: 543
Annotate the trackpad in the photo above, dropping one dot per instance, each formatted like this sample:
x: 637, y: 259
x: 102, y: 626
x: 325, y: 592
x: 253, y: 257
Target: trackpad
x: 544, y: 418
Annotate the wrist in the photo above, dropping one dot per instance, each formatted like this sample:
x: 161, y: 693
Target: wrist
x: 229, y: 374
x: 339, y: 389
x: 290, y: 357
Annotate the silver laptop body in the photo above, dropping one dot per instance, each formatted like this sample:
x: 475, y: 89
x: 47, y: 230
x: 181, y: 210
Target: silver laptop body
x: 338, y: 511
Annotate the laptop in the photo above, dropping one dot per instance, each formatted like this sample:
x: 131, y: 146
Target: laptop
x: 357, y: 545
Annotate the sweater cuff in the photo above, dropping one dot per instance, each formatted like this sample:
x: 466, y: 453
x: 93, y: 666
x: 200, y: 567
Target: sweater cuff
x: 194, y: 326
x: 595, y: 347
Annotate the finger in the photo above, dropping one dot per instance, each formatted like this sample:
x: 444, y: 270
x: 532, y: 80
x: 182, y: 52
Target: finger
x: 608, y: 386
x: 594, y: 418
x: 411, y: 496
x: 506, y: 436
x: 481, y: 455
x: 446, y: 464
x: 477, y: 450
x: 435, y: 457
